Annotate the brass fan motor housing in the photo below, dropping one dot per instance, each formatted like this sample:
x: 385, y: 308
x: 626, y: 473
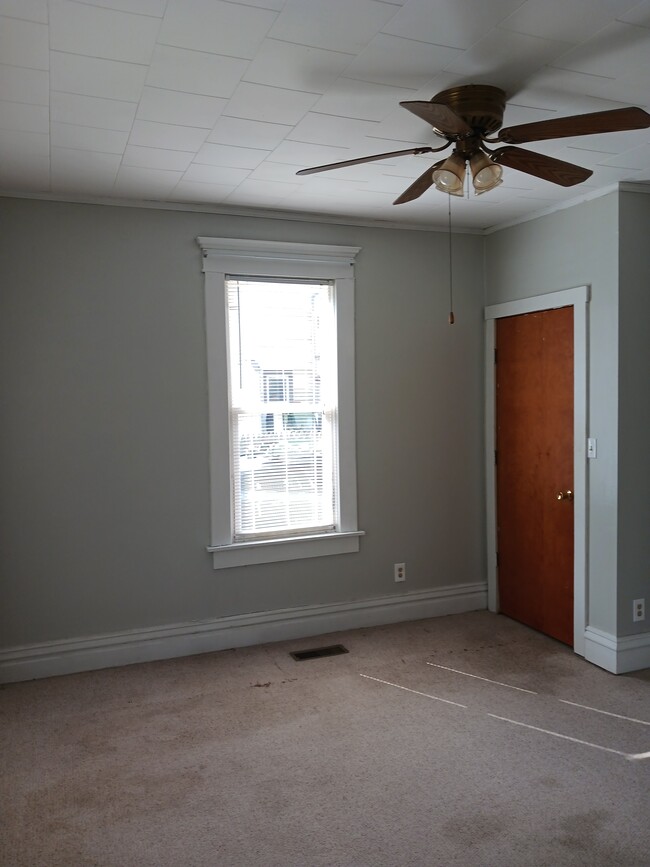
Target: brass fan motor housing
x: 481, y: 106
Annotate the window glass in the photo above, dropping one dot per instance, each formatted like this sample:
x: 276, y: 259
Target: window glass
x: 283, y: 395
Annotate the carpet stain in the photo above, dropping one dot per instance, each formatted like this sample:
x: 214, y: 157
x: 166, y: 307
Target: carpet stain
x: 581, y: 826
x: 111, y: 794
x: 549, y: 783
x: 475, y: 828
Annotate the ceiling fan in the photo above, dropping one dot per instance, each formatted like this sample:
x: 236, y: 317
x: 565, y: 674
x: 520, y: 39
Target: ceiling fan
x: 466, y: 115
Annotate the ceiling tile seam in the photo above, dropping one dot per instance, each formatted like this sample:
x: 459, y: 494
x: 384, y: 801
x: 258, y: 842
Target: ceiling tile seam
x: 214, y: 145
x: 199, y: 51
x: 186, y: 92
x: 571, y: 45
x: 225, y: 165
x: 89, y: 96
x: 514, y: 104
x: 417, y: 144
x: 118, y: 11
x: 460, y: 48
x: 594, y: 150
x: 139, y: 102
x: 250, y: 120
x: 315, y: 144
x: 184, y: 180
x: 382, y: 32
x: 89, y: 125
x: 580, y: 72
x: 381, y: 83
x: 98, y: 57
x: 616, y: 166
x: 631, y: 24
x: 280, y: 163
x: 164, y: 123
x: 252, y: 6
x: 128, y: 145
x: 311, y: 47
x: 329, y: 114
x: 20, y: 66
x: 383, y: 86
x: 20, y: 18
x: 237, y: 5
x: 349, y: 181
x: 84, y: 150
x: 149, y: 169
x: 263, y: 180
x: 279, y: 87
x: 23, y: 66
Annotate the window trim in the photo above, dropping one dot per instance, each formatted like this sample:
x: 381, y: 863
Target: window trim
x: 231, y: 256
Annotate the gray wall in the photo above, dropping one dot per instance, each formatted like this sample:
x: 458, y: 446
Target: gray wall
x: 570, y: 248
x: 634, y: 410
x: 104, y: 486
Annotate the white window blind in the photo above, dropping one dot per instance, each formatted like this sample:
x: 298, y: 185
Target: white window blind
x: 282, y: 370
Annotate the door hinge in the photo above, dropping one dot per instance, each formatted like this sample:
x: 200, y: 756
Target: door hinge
x: 496, y: 457
x: 497, y: 559
x: 495, y: 356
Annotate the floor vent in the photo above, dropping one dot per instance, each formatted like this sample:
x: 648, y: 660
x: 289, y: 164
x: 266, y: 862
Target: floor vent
x: 317, y: 652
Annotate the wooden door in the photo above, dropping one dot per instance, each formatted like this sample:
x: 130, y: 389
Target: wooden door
x: 534, y: 472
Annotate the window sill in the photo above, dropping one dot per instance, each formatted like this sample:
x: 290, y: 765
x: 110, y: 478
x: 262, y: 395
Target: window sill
x: 277, y: 550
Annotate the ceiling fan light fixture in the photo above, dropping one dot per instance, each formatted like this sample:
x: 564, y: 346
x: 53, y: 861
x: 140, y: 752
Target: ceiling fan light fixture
x: 450, y: 176
x: 486, y: 175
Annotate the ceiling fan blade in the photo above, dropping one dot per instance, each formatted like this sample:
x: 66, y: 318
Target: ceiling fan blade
x: 541, y: 166
x: 617, y: 120
x: 419, y: 186
x: 439, y: 116
x: 315, y: 169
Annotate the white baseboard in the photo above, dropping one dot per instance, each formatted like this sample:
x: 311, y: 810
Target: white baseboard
x: 618, y: 655
x: 204, y: 636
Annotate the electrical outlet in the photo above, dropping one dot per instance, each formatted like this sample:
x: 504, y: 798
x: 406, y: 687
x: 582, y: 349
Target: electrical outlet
x: 638, y: 609
x: 400, y: 571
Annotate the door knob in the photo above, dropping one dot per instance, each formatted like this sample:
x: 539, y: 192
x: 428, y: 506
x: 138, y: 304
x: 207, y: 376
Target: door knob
x: 565, y: 495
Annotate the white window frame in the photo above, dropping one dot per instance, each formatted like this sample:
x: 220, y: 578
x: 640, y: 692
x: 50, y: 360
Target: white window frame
x: 224, y: 257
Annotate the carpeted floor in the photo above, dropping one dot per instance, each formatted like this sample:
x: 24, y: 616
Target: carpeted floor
x: 388, y: 756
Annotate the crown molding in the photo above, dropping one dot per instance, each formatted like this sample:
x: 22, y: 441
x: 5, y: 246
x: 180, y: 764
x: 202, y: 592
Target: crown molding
x: 329, y: 219
x: 232, y: 211
x: 553, y: 209
x: 635, y: 187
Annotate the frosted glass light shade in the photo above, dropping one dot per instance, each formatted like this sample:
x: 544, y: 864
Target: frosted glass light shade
x: 450, y: 176
x: 486, y: 175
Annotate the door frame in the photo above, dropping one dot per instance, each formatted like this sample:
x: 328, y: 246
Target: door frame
x: 578, y: 298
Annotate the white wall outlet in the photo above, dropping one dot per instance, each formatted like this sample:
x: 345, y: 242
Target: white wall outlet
x: 638, y: 609
x: 400, y: 571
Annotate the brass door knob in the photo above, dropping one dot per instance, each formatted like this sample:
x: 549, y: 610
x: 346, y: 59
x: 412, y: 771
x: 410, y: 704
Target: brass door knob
x: 565, y: 495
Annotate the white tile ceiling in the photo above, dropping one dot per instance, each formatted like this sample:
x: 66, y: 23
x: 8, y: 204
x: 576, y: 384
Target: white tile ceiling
x: 220, y: 102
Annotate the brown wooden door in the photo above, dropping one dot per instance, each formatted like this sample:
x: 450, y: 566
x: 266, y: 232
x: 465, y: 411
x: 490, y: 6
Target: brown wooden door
x: 534, y: 441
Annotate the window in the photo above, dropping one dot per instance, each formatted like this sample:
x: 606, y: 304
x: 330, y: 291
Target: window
x: 280, y: 330
x: 282, y: 379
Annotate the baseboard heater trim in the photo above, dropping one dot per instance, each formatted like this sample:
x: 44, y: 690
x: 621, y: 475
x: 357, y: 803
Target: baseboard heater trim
x: 204, y: 636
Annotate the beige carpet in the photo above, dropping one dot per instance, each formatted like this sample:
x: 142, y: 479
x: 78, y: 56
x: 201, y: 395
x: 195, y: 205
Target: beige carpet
x: 247, y: 758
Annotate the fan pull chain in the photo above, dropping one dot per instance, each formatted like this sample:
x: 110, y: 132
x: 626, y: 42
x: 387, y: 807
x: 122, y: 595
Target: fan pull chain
x: 452, y: 319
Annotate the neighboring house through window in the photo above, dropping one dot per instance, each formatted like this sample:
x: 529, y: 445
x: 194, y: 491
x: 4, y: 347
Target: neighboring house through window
x: 280, y: 330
